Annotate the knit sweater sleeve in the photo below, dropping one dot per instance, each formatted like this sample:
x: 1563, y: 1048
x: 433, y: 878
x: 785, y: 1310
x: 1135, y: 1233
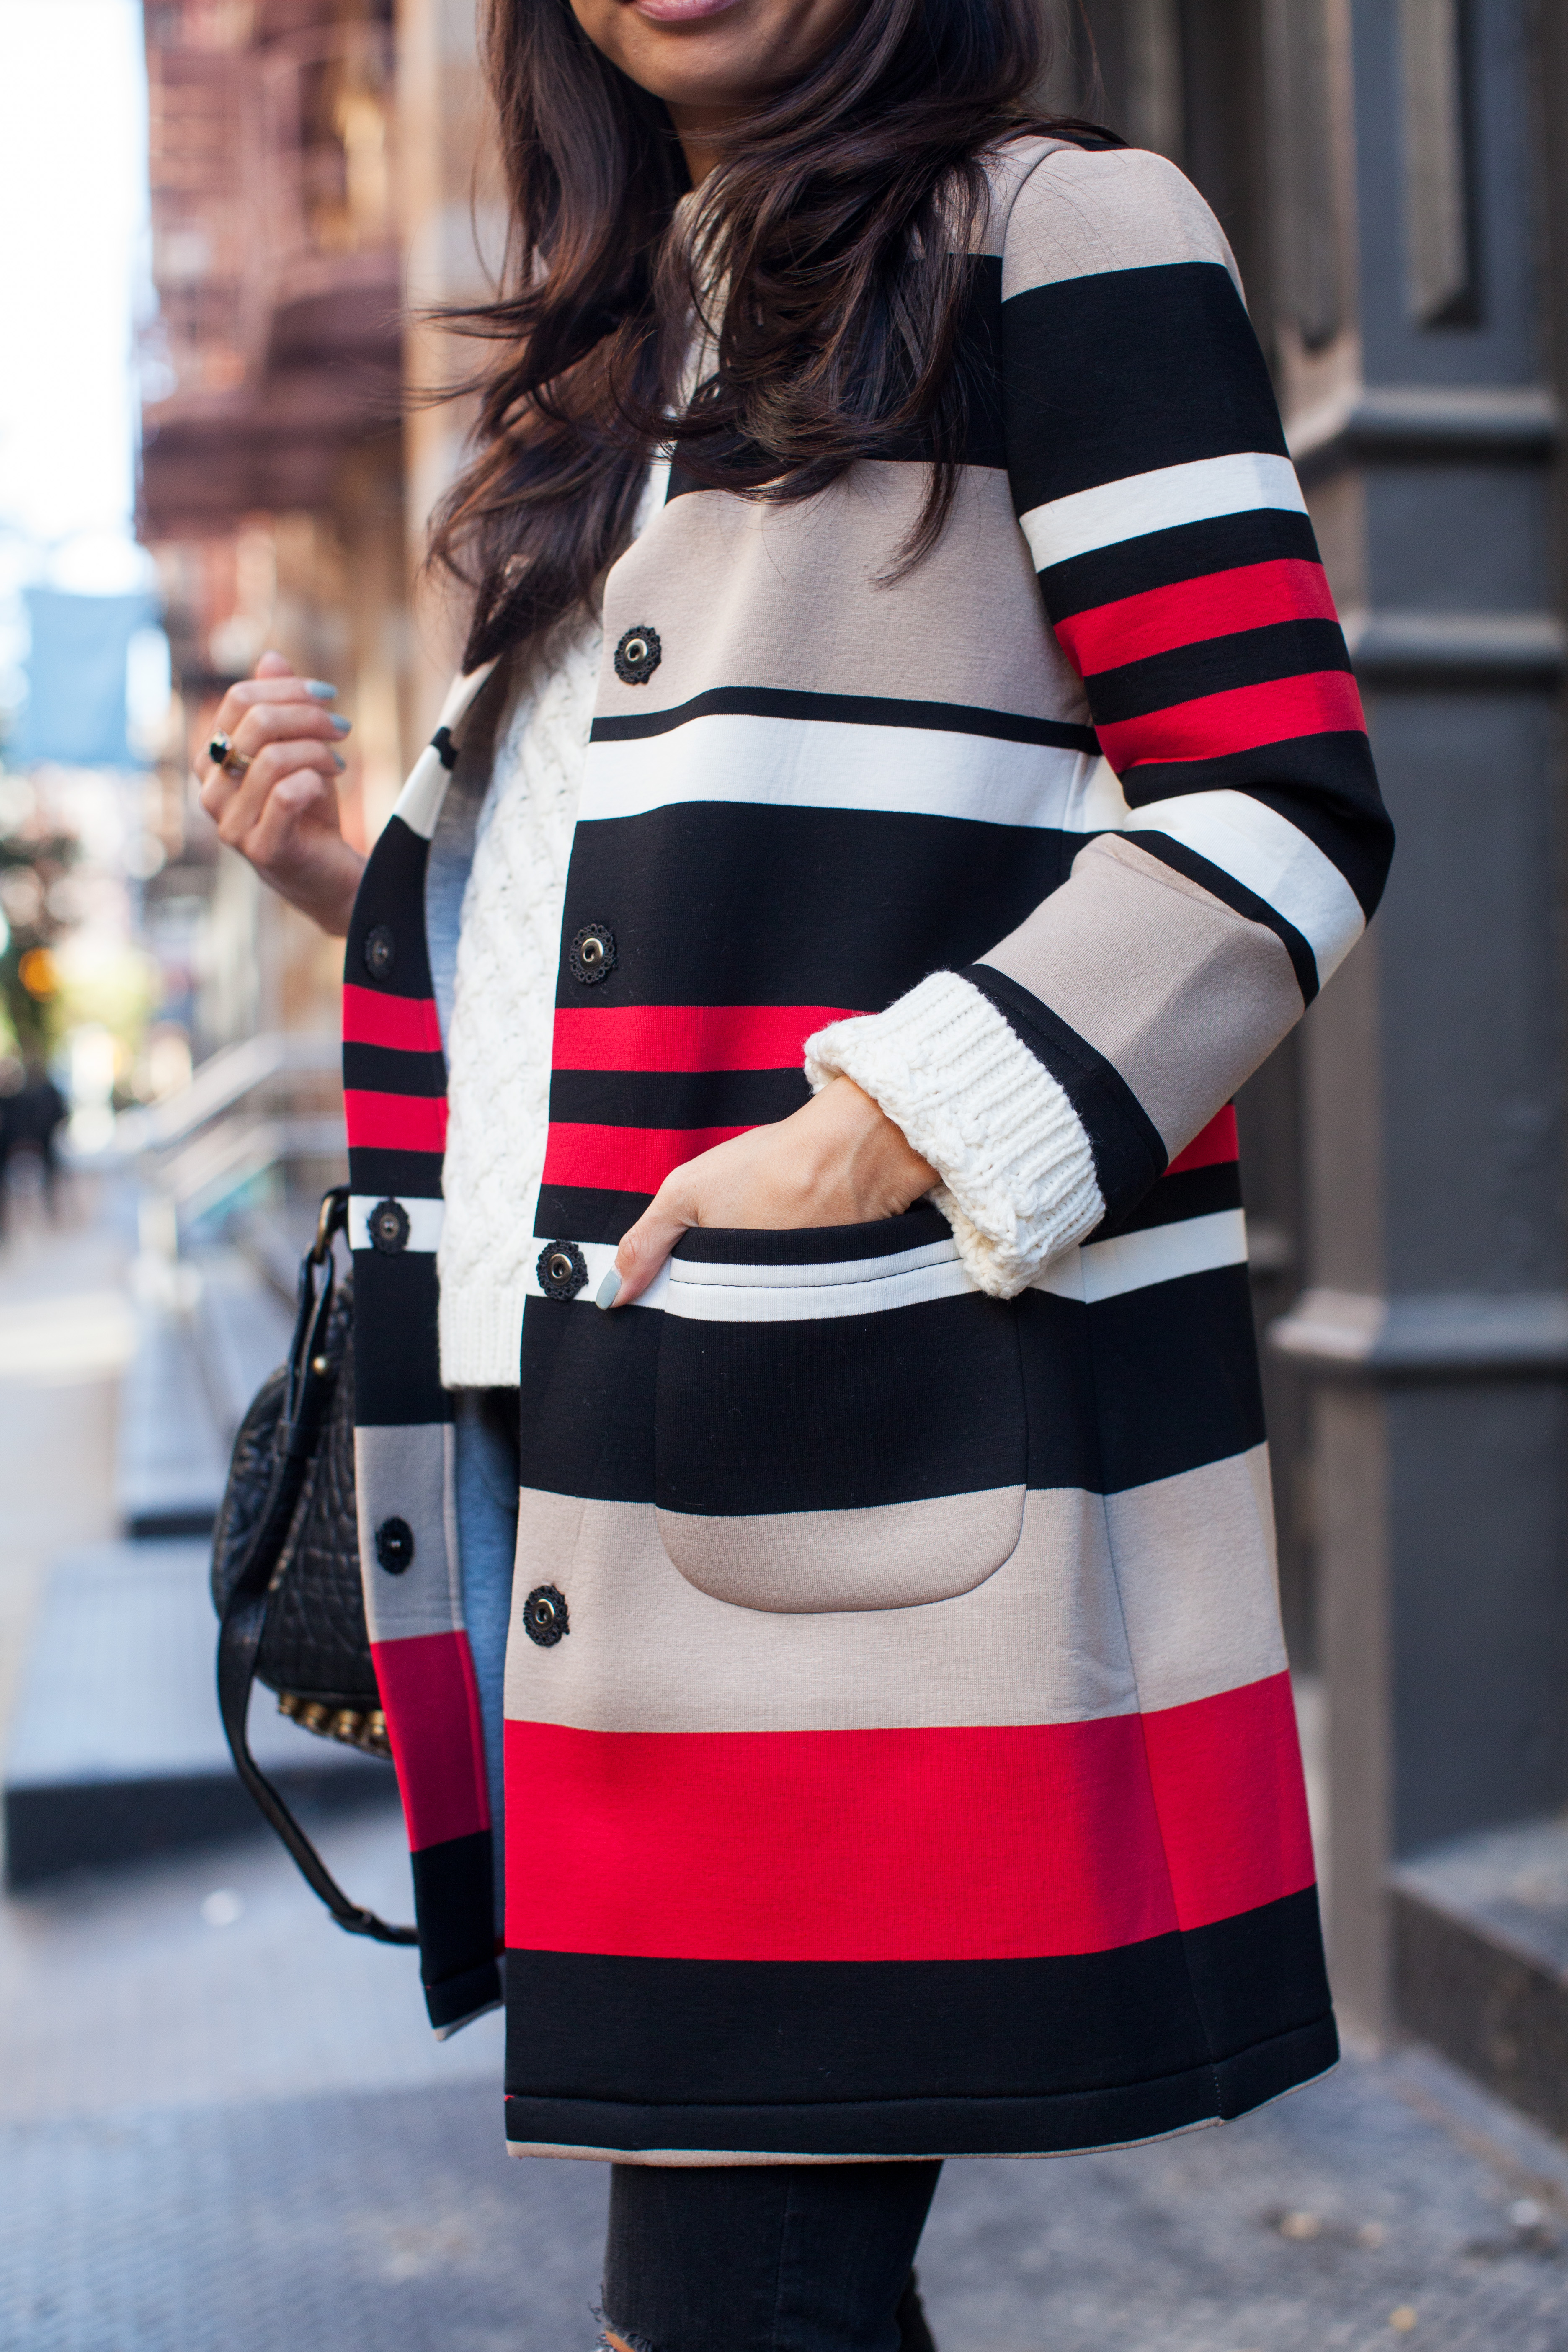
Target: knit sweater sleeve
x: 1053, y: 1080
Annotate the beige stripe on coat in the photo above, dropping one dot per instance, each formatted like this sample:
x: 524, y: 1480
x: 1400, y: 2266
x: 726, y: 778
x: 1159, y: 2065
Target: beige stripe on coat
x: 1193, y: 999
x: 801, y: 608
x: 1148, y: 1599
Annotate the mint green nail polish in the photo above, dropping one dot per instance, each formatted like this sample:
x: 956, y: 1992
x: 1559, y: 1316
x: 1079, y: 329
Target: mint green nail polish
x: 342, y: 725
x: 320, y: 689
x: 339, y: 761
x: 610, y: 1290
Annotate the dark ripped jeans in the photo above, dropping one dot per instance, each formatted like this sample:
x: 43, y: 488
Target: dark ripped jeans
x: 767, y: 2257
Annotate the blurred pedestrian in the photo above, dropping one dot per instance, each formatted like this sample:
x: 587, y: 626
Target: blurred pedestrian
x: 13, y: 1076
x: 907, y: 774
x: 30, y: 1120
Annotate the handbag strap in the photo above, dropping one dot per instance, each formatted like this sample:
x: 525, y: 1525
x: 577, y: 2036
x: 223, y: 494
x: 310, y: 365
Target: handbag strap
x: 308, y: 1394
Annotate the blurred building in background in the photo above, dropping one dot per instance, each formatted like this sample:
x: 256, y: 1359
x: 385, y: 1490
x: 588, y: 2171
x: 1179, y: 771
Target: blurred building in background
x: 317, y: 181
x: 272, y: 466
x: 1392, y: 176
x: 1387, y: 173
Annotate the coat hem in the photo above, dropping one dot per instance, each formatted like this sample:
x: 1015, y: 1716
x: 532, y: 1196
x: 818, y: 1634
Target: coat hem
x: 456, y: 2000
x: 1063, y: 2122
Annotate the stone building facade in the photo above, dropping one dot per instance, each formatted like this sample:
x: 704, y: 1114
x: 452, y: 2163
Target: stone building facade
x: 1392, y: 176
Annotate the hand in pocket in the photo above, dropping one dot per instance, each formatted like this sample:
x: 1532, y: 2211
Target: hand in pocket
x: 839, y: 1161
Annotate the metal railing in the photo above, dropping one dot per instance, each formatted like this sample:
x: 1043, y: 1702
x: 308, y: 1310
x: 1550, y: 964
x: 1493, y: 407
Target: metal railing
x: 265, y: 1104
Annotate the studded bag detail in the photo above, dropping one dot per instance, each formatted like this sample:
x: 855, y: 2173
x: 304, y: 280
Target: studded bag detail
x: 286, y: 1572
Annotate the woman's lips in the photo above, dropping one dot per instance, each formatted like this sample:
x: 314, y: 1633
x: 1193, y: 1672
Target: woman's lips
x: 680, y: 12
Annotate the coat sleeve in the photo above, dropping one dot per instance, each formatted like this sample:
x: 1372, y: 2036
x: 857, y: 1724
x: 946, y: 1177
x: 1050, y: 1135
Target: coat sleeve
x: 1052, y: 1082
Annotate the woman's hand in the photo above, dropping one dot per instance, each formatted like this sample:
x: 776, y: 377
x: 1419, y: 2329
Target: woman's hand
x: 838, y: 1161
x: 282, y: 813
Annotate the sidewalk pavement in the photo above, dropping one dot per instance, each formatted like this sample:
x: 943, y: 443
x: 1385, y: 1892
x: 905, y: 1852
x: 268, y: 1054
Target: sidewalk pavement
x: 225, y: 2127
x: 66, y: 1333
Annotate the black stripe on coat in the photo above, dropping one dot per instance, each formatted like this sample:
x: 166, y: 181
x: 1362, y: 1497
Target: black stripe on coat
x: 1111, y: 1396
x: 452, y: 1884
x: 1167, y: 559
x: 397, y: 1365
x: 1176, y: 1376
x: 1215, y: 666
x: 394, y: 1070
x: 847, y: 710
x: 392, y: 899
x: 579, y: 1212
x: 755, y: 1417
x: 1126, y: 372
x: 935, y: 2128
x: 676, y: 1097
x: 922, y: 2057
x: 723, y: 902
x: 409, y: 1175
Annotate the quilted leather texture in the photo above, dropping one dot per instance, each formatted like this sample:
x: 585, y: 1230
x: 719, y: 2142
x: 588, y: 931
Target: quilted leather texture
x: 315, y: 1644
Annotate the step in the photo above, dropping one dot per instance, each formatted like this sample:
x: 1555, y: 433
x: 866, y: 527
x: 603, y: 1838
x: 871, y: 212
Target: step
x: 1480, y: 1938
x: 204, y: 1344
x: 171, y: 1461
x: 118, y: 1750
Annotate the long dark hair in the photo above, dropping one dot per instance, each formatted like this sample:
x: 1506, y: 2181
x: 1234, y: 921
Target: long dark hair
x: 836, y: 224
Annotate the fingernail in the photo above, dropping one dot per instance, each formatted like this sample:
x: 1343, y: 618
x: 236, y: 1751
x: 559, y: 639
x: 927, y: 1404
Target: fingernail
x: 342, y: 725
x: 610, y: 1290
x: 320, y: 689
x: 339, y: 762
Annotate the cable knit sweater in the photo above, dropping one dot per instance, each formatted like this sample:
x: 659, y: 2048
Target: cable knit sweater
x: 499, y: 1045
x: 1019, y: 1174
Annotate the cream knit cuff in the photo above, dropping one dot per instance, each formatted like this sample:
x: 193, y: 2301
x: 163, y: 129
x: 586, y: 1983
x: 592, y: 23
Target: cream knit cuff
x: 482, y: 1329
x: 1018, y: 1181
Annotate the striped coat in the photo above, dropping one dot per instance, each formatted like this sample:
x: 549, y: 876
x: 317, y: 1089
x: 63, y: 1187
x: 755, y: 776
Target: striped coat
x: 899, y: 1751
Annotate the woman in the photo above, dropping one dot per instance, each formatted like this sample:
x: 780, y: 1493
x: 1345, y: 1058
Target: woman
x: 899, y: 1755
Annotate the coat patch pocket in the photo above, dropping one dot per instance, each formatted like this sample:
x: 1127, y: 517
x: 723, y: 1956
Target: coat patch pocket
x: 838, y: 1420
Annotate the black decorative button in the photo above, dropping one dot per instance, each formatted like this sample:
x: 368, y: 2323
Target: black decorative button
x: 561, y: 1269
x: 389, y: 1227
x: 638, y: 656
x: 593, y: 954
x: 394, y: 1546
x: 380, y: 951
x: 544, y: 1618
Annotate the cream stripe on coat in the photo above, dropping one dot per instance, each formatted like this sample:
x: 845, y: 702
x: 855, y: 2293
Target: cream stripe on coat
x: 1270, y: 857
x: 1089, y: 1271
x: 424, y: 1219
x: 1199, y: 491
x: 804, y: 763
x: 1152, y: 1598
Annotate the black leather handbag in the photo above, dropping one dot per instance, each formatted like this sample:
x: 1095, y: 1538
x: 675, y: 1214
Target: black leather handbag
x: 286, y: 1574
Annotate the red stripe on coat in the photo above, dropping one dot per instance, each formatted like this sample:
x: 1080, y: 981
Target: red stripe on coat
x: 1211, y: 1147
x: 1227, y: 1844
x: 431, y: 1701
x: 379, y: 1122
x: 623, y: 1158
x: 688, y: 1036
x: 1242, y: 718
x: 409, y: 1023
x: 1158, y: 621
x: 1005, y: 1842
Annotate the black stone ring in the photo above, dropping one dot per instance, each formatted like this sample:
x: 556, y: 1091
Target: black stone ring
x: 221, y: 754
